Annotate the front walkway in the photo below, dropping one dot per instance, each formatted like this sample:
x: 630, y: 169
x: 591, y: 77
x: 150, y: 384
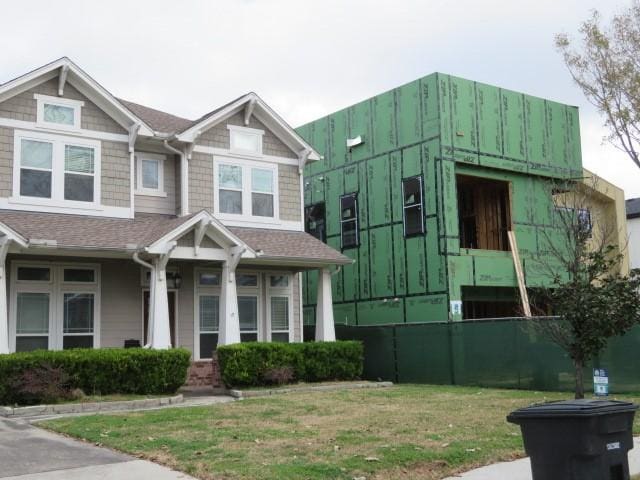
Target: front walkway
x: 521, y: 469
x: 29, y: 453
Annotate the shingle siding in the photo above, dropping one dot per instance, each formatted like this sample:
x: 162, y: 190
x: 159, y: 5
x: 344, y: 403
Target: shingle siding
x: 289, y: 193
x: 201, y: 182
x: 23, y: 107
x: 115, y: 182
x: 6, y: 161
x: 156, y: 204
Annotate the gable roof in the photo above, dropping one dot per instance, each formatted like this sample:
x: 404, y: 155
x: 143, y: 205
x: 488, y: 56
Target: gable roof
x: 633, y: 207
x: 156, y: 119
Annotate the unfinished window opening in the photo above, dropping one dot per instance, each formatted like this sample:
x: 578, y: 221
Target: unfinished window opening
x: 484, y: 213
x: 349, y: 220
x: 490, y: 302
x: 314, y: 217
x: 412, y: 207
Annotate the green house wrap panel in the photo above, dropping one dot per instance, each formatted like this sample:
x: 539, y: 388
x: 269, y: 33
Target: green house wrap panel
x: 350, y: 276
x: 360, y: 124
x: 350, y: 178
x: 502, y: 163
x: 333, y: 184
x: 308, y: 189
x: 364, y: 199
x: 536, y: 131
x: 449, y: 199
x: 521, y: 202
x: 409, y: 118
x: 430, y: 106
x: 399, y: 265
x: 527, y: 238
x: 489, y: 120
x: 384, y: 122
x: 379, y: 181
x: 416, y: 265
x: 380, y: 312
x: 430, y: 152
x: 513, y: 124
x: 436, y: 269
x: 542, y: 202
x: 426, y: 308
x: 460, y: 271
x: 312, y: 287
x: 557, y: 127
x: 411, y: 161
x: 395, y: 177
x: 494, y: 271
x: 364, y: 266
x: 344, y: 314
x: 382, y: 275
x: 463, y: 111
x: 317, y: 188
x: 574, y: 152
x: 338, y: 137
x: 445, y: 111
x: 337, y: 281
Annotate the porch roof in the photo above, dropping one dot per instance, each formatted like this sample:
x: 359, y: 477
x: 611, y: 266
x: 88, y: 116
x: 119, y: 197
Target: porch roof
x: 56, y: 230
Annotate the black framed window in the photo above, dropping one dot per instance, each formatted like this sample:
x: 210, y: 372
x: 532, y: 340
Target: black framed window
x: 584, y: 220
x: 314, y: 221
x: 412, y: 204
x: 349, y: 220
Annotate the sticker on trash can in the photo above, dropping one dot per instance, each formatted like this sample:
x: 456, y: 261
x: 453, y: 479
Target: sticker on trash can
x: 613, y: 446
x: 600, y: 382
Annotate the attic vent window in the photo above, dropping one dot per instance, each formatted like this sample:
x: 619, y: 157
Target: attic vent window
x: 58, y: 113
x: 243, y: 140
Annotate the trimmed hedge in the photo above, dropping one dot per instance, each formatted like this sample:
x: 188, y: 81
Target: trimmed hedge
x: 251, y: 364
x: 100, y: 371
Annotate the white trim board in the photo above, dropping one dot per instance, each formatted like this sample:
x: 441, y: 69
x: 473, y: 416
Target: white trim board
x: 216, y: 151
x: 35, y: 127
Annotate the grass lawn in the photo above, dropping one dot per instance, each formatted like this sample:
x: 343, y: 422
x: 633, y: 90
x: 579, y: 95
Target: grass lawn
x: 404, y: 432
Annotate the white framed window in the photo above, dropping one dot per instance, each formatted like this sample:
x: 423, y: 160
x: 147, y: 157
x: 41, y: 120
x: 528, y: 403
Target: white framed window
x: 279, y: 307
x: 245, y: 140
x: 150, y: 174
x: 56, y: 170
x: 54, y: 306
x: 58, y: 113
x: 207, y: 312
x: 249, y: 308
x: 245, y: 189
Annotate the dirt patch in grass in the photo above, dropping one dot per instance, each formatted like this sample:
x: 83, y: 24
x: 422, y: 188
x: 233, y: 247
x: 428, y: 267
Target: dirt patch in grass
x: 404, y: 432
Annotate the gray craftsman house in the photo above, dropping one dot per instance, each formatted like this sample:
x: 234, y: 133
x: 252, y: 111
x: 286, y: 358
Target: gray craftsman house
x: 123, y: 224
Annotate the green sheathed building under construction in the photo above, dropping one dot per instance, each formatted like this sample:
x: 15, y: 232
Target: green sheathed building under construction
x: 420, y: 187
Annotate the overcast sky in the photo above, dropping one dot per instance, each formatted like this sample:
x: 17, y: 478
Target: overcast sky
x: 308, y: 58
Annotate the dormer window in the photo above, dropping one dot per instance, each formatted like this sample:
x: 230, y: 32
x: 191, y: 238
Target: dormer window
x: 245, y: 140
x: 58, y: 113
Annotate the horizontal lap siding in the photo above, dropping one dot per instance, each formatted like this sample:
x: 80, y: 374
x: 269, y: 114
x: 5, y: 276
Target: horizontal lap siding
x: 121, y: 301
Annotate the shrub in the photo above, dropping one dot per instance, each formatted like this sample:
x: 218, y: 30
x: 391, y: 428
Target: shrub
x: 279, y: 375
x: 42, y: 384
x: 100, y: 371
x: 254, y: 364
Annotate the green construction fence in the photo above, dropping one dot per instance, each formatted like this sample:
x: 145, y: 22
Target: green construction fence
x: 501, y: 353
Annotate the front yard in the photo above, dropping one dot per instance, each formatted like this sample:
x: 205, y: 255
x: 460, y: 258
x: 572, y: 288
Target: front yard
x: 404, y: 432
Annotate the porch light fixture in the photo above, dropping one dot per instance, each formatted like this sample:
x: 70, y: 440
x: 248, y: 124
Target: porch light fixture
x: 176, y: 279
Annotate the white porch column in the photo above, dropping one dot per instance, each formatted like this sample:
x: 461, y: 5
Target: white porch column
x: 325, y: 327
x: 4, y: 324
x: 159, y: 303
x: 229, y: 328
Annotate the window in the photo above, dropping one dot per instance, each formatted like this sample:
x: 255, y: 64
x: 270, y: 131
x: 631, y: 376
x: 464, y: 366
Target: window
x: 245, y: 140
x: 150, y: 174
x: 349, y: 220
x: 246, y: 189
x: 580, y: 215
x: 209, y: 323
x: 56, y: 170
x: 248, y: 315
x: 209, y: 279
x: 314, y: 221
x: 246, y: 280
x: 58, y: 113
x: 412, y: 206
x: 278, y: 281
x: 261, y: 192
x: 280, y: 319
x: 55, y: 306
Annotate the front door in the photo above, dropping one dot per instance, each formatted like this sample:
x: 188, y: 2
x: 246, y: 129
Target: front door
x: 172, y: 315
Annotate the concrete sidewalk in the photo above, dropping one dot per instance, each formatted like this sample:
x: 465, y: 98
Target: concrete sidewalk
x: 521, y: 469
x: 29, y: 453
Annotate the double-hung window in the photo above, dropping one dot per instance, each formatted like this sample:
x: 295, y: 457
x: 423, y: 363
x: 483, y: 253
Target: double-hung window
x: 349, y: 220
x: 246, y: 190
x: 58, y: 113
x: 412, y: 206
x: 56, y: 170
x: 55, y: 306
x: 248, y: 309
x: 150, y: 174
x: 279, y: 304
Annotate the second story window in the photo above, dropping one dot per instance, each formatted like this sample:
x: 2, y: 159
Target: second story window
x: 58, y: 113
x: 245, y: 140
x: 349, y: 220
x: 51, y: 169
x: 246, y: 189
x: 412, y: 206
x: 314, y: 221
x: 150, y: 174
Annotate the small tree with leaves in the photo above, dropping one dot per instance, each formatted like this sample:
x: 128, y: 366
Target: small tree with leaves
x: 590, y: 296
x: 606, y: 66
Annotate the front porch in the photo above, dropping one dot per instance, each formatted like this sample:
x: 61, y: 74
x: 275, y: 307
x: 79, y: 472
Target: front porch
x: 197, y: 286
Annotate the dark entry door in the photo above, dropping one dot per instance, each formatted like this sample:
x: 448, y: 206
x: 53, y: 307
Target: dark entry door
x: 172, y: 315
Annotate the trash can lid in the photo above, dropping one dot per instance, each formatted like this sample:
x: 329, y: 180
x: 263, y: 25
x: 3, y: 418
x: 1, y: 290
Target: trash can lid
x: 572, y: 408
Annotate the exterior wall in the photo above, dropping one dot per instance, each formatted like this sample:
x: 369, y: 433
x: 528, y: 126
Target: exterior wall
x: 121, y: 316
x: 115, y: 181
x: 289, y: 191
x: 437, y: 126
x: 218, y: 136
x: 201, y: 182
x: 633, y: 226
x: 156, y: 204
x: 23, y: 107
x: 6, y: 161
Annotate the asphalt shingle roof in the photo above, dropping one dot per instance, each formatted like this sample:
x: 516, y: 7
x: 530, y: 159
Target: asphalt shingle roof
x: 633, y: 207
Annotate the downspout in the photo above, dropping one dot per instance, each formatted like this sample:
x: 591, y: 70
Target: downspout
x: 137, y: 259
x: 133, y: 135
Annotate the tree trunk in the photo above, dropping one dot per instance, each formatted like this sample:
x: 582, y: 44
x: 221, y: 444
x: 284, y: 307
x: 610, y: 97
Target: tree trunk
x: 579, y: 368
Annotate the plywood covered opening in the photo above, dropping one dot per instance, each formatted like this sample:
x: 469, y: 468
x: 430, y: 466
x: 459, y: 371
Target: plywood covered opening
x: 484, y: 213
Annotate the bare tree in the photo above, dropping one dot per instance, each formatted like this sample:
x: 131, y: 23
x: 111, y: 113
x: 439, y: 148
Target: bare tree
x: 606, y: 66
x: 587, y: 290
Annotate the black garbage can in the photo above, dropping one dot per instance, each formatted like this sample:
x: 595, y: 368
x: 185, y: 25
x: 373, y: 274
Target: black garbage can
x: 577, y: 439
